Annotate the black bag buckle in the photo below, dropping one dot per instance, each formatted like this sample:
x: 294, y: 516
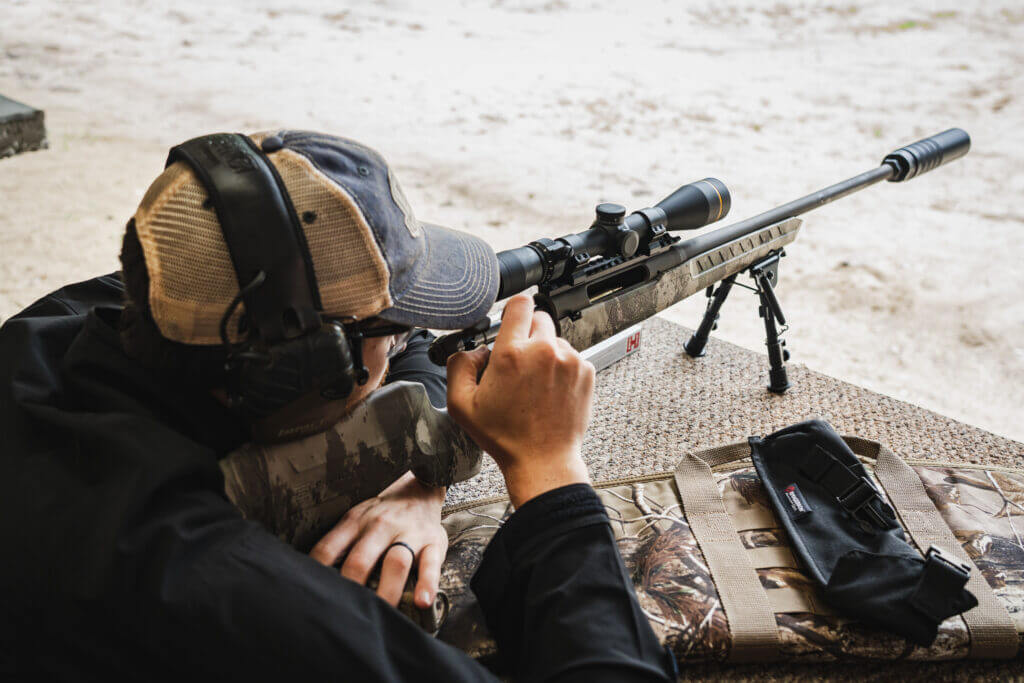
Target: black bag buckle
x: 857, y: 501
x: 938, y: 554
x: 940, y: 588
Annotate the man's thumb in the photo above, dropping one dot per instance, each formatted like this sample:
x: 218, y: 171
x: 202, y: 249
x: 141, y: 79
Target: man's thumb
x: 463, y: 370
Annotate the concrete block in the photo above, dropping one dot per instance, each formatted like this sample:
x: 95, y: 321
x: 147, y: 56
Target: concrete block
x: 21, y: 128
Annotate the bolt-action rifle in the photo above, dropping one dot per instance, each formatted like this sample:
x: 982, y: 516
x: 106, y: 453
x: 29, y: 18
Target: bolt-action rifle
x: 594, y: 284
x: 625, y: 269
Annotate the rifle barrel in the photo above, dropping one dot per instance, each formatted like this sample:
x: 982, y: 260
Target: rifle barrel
x: 898, y: 166
x: 716, y: 238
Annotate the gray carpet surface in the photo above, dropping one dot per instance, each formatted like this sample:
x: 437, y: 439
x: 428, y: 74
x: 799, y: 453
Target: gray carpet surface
x: 656, y: 405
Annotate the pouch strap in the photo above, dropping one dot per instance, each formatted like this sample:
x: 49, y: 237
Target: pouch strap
x: 993, y: 634
x: 751, y: 617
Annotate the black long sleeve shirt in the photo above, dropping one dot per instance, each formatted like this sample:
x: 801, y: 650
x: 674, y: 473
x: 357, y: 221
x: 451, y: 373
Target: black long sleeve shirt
x: 122, y: 557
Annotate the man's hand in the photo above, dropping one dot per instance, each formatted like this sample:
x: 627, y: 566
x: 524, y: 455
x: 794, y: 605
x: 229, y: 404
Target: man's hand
x: 406, y: 511
x: 530, y: 406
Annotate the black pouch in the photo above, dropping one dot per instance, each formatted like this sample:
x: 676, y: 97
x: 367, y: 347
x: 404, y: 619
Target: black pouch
x: 848, y: 538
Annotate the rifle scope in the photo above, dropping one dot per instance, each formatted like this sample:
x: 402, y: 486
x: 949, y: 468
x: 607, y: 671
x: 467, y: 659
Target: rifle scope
x: 613, y: 233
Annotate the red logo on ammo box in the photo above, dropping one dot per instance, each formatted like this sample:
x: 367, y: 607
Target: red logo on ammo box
x: 633, y: 343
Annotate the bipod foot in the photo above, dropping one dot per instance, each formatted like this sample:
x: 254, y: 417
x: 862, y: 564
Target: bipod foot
x: 695, y: 348
x: 778, y: 381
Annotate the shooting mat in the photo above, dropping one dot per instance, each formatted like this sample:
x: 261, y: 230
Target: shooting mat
x: 658, y: 404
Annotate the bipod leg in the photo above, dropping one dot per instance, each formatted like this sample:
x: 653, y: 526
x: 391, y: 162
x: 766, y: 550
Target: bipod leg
x: 764, y: 273
x: 695, y: 346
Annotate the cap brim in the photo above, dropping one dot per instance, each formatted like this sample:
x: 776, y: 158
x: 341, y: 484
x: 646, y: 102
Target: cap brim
x: 455, y: 285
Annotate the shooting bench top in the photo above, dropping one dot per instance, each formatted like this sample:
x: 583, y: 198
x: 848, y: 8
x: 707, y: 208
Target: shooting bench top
x: 657, y: 404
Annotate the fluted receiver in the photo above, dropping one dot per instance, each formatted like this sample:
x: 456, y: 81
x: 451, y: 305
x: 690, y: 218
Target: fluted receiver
x: 924, y: 155
x: 695, y: 205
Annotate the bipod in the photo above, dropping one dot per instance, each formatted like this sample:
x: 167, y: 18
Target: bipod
x: 765, y: 274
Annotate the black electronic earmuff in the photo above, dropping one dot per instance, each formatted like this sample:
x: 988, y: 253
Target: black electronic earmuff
x: 288, y: 351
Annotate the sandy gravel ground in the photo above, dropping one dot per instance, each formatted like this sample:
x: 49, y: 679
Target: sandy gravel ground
x: 511, y: 119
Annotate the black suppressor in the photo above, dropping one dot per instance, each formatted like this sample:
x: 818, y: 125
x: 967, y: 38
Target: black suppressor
x: 613, y: 233
x: 924, y: 155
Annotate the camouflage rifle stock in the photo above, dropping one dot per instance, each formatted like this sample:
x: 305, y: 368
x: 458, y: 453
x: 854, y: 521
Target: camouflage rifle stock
x: 299, y: 489
x: 624, y: 270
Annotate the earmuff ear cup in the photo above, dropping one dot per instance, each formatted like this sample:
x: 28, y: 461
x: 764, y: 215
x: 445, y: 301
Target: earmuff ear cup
x: 260, y: 384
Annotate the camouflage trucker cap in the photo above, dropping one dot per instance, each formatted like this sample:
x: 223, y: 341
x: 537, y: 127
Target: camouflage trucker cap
x: 370, y: 254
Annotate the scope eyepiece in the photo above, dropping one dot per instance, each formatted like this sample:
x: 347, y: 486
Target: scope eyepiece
x: 518, y: 270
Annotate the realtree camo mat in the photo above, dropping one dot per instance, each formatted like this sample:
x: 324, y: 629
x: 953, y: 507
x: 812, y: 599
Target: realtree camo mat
x: 983, y: 506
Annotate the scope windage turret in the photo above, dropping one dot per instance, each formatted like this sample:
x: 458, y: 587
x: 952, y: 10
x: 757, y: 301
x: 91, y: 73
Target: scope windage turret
x: 688, y: 208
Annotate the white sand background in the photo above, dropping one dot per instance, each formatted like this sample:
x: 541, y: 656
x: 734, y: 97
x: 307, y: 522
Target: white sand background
x: 511, y: 120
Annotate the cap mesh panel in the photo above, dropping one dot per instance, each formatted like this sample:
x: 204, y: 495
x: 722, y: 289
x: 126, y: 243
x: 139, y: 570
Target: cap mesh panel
x: 191, y: 278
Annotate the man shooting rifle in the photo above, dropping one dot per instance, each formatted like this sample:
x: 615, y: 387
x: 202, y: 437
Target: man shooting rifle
x: 270, y: 284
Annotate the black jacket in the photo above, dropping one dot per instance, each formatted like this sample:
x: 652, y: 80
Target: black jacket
x: 122, y: 557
